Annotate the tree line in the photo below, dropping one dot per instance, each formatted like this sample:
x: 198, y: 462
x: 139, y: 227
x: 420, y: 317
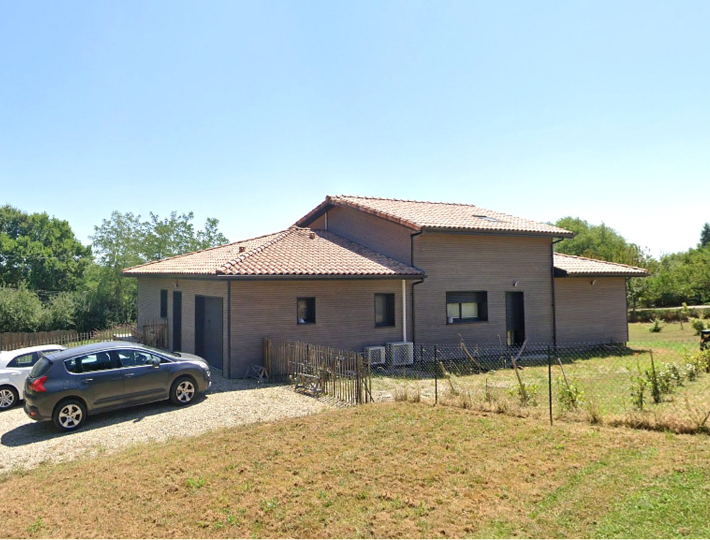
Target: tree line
x: 50, y: 281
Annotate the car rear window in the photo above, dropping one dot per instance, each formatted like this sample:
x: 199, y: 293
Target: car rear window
x: 40, y: 368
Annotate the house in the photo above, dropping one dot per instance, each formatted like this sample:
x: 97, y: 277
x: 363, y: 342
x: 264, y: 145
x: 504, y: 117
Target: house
x: 362, y: 271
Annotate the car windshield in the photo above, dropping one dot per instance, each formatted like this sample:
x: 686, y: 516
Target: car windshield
x: 40, y: 368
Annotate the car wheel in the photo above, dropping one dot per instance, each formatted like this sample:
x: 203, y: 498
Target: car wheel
x: 69, y: 415
x: 183, y: 391
x: 8, y: 397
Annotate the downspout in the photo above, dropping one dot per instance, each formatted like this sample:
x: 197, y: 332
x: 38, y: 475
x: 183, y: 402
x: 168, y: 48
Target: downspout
x: 552, y: 280
x: 229, y: 328
x: 404, y: 310
x: 411, y: 263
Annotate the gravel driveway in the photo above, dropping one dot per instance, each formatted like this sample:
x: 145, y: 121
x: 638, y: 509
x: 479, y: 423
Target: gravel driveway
x: 25, y: 443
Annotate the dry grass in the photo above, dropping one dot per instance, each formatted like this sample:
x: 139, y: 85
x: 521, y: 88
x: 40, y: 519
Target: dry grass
x: 389, y: 470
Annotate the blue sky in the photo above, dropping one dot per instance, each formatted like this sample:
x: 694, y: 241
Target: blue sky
x: 253, y: 112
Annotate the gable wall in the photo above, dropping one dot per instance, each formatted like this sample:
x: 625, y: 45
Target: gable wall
x: 591, y: 313
x: 371, y: 231
x: 345, y: 315
x: 460, y: 262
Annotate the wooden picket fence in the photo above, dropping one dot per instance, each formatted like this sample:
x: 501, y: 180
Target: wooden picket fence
x: 340, y: 374
x: 154, y: 333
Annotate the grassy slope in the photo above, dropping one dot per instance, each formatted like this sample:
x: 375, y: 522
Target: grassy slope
x: 389, y: 470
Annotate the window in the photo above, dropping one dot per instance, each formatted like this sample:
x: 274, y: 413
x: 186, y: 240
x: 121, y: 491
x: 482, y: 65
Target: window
x: 134, y: 358
x: 24, y: 361
x: 92, y: 362
x: 466, y: 306
x: 306, y: 311
x: 384, y: 310
x: 164, y: 304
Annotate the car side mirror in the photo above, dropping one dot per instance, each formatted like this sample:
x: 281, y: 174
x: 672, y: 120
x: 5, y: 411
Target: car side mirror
x: 155, y: 362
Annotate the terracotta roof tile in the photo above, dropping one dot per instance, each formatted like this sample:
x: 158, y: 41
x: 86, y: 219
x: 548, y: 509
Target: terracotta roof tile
x: 571, y: 265
x: 418, y: 215
x: 293, y: 252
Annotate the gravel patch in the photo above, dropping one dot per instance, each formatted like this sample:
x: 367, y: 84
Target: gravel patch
x: 228, y: 403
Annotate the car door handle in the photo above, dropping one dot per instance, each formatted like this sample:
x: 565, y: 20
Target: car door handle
x: 87, y: 380
x: 129, y: 375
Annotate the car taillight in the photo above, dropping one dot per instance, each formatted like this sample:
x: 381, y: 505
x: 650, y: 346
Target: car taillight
x: 38, y: 385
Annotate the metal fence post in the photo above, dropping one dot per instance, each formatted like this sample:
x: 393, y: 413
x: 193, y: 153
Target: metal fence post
x: 436, y: 377
x: 549, y: 378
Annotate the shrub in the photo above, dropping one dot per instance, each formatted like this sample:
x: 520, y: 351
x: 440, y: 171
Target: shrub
x: 569, y: 396
x: 657, y: 326
x: 698, y: 325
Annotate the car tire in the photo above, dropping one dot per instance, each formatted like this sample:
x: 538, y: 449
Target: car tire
x: 69, y: 415
x: 8, y: 397
x: 183, y: 391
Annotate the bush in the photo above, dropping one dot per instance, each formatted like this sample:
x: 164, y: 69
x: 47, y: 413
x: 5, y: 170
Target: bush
x: 20, y: 310
x: 698, y: 325
x: 657, y: 326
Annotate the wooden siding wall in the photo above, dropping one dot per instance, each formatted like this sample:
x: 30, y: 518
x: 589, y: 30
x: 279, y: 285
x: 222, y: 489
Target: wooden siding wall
x: 371, y: 231
x: 345, y: 315
x: 149, y: 305
x: 591, y: 313
x: 460, y: 262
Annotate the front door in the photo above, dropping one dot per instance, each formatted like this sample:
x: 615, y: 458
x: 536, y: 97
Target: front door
x: 208, y: 329
x: 514, y: 318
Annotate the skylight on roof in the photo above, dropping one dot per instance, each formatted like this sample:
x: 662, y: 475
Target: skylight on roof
x: 487, y: 218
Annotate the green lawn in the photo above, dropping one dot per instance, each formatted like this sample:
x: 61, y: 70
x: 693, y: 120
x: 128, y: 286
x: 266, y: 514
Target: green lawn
x: 397, y: 470
x: 601, y: 385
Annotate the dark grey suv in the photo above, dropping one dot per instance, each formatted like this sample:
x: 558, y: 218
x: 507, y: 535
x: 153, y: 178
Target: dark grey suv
x: 67, y: 386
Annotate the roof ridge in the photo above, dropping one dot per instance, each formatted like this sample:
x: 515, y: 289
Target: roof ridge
x: 277, y: 236
x: 204, y: 250
x: 405, y: 200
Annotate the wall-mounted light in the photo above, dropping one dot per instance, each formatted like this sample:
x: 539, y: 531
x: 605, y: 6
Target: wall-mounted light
x: 594, y: 281
x: 176, y: 283
x: 515, y: 283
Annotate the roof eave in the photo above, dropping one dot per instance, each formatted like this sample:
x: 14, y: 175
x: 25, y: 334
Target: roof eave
x: 462, y: 230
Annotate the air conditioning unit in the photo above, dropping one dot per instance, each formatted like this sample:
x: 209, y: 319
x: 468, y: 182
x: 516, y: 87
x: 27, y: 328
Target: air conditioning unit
x: 375, y: 356
x: 400, y: 353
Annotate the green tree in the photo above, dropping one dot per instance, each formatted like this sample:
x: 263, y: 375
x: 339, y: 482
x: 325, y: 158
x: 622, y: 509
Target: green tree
x: 126, y: 240
x: 40, y: 252
x: 599, y: 242
x: 705, y: 236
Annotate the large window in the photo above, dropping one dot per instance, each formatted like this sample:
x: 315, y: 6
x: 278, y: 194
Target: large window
x: 467, y: 306
x: 306, y: 311
x: 384, y: 310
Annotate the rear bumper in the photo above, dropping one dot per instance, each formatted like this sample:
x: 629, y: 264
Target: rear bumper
x: 35, y: 413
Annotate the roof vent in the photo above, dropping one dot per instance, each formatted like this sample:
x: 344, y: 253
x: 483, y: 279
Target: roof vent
x: 242, y: 249
x: 312, y: 236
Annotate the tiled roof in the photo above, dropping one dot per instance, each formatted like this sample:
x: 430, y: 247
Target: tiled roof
x: 572, y: 265
x: 419, y: 215
x: 293, y: 252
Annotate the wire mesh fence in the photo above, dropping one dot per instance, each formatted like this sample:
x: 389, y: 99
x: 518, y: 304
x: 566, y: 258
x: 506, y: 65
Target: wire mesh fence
x: 653, y: 385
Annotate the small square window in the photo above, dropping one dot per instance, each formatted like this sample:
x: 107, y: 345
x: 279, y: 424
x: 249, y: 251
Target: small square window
x: 306, y: 311
x: 384, y: 310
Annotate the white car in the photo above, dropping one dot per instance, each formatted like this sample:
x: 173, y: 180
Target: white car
x: 14, y: 368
